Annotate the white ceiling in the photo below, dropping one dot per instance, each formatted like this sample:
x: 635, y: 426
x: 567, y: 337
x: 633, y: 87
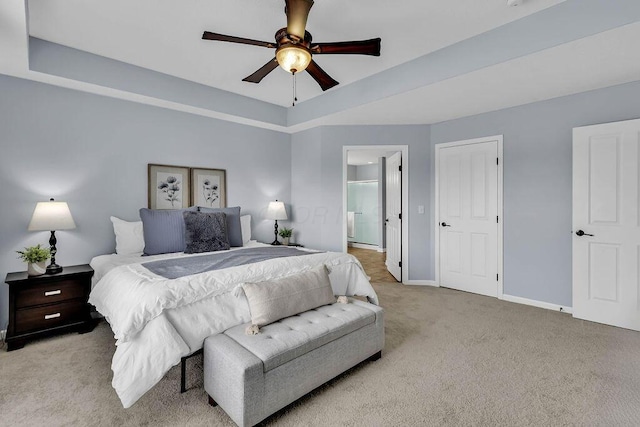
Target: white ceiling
x: 165, y: 36
x: 598, y: 50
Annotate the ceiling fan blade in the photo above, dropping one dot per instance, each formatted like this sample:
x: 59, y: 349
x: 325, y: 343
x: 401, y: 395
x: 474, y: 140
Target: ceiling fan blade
x: 262, y: 72
x: 324, y: 80
x: 297, y: 13
x: 224, y: 38
x: 359, y: 47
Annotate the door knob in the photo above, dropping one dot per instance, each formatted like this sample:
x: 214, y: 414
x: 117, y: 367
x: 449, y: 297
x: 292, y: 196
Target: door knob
x: 582, y: 233
x: 444, y: 224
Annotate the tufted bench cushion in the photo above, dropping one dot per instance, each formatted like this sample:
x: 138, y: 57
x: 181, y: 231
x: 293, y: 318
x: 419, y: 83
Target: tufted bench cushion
x: 253, y: 376
x: 294, y: 336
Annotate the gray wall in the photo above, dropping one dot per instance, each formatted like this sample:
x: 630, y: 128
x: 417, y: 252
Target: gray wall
x: 352, y: 173
x: 92, y: 152
x: 317, y: 186
x: 537, y: 182
x: 367, y: 173
x: 362, y: 173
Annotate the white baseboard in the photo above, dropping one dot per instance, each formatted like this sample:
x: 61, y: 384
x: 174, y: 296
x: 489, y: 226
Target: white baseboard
x: 3, y: 334
x: 420, y: 283
x: 382, y: 250
x: 364, y: 246
x: 539, y: 304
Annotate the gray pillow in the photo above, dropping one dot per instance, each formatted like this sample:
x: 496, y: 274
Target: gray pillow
x: 205, y: 232
x: 234, y: 229
x: 163, y: 230
x: 273, y: 300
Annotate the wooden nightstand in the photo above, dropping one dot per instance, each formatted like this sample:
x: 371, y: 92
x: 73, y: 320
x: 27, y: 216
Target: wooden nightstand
x: 45, y: 305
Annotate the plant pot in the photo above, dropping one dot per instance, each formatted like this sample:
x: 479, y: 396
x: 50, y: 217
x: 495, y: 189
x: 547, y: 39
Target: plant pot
x: 36, y: 268
x: 285, y: 241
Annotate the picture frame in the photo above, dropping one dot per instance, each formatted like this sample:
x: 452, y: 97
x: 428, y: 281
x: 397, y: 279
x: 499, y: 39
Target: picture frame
x: 169, y: 187
x: 209, y: 187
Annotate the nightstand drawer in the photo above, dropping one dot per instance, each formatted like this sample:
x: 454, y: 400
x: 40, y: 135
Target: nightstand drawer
x: 49, y: 316
x: 47, y: 293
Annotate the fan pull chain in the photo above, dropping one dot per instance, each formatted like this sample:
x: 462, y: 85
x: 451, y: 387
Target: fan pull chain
x: 295, y: 89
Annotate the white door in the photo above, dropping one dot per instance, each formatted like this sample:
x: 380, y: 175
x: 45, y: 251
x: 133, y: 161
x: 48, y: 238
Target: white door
x: 606, y: 224
x: 468, y: 217
x: 394, y: 215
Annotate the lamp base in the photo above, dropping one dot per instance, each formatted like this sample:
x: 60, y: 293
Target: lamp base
x: 54, y: 269
x: 276, y: 243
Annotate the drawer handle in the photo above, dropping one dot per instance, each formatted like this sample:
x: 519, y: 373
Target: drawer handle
x: 50, y: 293
x: 51, y: 316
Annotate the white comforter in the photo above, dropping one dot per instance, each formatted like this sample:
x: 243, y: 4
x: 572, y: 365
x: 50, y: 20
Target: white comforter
x: 156, y: 321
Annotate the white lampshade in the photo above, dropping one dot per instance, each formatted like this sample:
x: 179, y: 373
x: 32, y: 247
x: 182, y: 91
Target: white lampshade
x: 276, y: 210
x: 51, y: 216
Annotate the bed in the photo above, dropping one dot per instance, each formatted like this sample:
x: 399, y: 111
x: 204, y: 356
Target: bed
x: 158, y: 320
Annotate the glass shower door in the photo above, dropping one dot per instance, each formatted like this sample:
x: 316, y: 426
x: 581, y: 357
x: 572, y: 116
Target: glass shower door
x: 362, y: 212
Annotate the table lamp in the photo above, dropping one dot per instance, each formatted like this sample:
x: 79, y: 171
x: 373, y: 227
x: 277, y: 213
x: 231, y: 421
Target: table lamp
x: 52, y: 216
x: 276, y: 211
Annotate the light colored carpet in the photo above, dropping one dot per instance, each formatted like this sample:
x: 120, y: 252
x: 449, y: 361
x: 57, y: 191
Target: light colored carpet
x: 451, y: 358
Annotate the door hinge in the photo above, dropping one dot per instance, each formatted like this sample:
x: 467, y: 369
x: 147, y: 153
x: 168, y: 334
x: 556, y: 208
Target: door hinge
x: 497, y: 277
x: 400, y: 264
x: 400, y: 216
x: 400, y: 168
x: 497, y: 219
x: 497, y: 160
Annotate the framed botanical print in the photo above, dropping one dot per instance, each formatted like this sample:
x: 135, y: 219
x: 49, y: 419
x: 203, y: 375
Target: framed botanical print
x: 209, y: 187
x: 169, y: 187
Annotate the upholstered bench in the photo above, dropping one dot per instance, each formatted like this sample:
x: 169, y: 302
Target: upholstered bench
x: 253, y: 376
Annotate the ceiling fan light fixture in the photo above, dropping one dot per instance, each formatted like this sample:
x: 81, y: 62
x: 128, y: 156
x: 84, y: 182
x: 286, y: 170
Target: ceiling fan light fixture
x: 293, y: 58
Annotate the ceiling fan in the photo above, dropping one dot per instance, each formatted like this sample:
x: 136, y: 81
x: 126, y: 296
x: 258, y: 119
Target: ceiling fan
x: 294, y: 47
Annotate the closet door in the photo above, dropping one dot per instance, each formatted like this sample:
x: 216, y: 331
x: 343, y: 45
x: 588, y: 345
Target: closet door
x: 468, y: 217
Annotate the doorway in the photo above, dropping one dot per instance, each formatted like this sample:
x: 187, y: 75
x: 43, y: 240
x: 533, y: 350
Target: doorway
x: 368, y: 231
x: 469, y: 215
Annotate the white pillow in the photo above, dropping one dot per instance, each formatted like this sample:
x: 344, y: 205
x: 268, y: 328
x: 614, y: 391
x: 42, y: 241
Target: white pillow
x: 273, y: 300
x: 129, y: 236
x: 245, y: 225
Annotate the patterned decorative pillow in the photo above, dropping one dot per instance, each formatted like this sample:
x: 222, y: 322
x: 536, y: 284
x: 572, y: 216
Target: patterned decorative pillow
x: 205, y: 232
x: 234, y: 229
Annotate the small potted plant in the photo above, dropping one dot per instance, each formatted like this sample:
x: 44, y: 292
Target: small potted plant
x: 35, y: 257
x: 285, y: 233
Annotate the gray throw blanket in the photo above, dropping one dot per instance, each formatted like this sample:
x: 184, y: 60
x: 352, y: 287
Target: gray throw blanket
x: 174, y: 268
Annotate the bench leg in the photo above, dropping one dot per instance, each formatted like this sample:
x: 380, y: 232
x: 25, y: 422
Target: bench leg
x: 212, y: 402
x: 183, y: 369
x: 376, y: 356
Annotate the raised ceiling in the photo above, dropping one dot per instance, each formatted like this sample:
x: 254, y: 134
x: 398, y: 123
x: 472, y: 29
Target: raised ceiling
x: 165, y: 36
x: 441, y: 59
